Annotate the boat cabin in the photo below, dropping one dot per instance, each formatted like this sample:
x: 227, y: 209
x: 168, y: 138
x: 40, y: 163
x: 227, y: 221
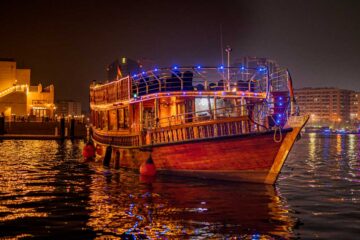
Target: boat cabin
x: 145, y: 106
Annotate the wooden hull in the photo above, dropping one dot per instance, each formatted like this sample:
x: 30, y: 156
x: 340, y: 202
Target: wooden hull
x: 247, y: 158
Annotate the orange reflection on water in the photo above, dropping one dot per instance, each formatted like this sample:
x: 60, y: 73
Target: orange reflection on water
x: 338, y: 144
x: 27, y: 178
x: 176, y: 208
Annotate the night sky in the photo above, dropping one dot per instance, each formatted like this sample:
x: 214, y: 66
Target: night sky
x: 70, y: 43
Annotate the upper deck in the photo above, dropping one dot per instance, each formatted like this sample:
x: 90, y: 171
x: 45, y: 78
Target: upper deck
x: 232, y: 82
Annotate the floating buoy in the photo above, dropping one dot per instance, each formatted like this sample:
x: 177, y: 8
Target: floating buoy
x: 148, y: 168
x: 89, y: 151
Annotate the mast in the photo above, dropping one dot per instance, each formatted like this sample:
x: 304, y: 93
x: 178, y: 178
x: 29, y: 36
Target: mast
x: 221, y: 46
x: 228, y: 50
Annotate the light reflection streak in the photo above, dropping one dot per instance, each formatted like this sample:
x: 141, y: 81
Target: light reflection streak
x: 311, y: 161
x: 38, y: 182
x: 338, y: 144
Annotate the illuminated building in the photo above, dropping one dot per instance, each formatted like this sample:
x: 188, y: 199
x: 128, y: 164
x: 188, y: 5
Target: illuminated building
x: 18, y: 98
x: 355, y: 107
x: 326, y: 106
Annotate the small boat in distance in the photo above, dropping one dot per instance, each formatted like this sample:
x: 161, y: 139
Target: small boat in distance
x: 230, y: 123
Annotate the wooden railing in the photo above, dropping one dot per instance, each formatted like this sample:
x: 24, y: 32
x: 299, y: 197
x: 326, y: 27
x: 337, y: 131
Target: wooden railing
x: 115, y: 139
x: 201, y: 130
x: 180, y: 133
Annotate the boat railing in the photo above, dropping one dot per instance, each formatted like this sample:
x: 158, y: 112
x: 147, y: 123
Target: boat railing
x: 180, y: 79
x: 197, y: 79
x: 199, y: 116
x: 224, y: 121
x: 113, y: 138
x: 201, y: 130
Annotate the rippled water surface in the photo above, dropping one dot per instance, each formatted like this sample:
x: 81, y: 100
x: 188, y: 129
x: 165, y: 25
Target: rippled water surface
x: 48, y: 192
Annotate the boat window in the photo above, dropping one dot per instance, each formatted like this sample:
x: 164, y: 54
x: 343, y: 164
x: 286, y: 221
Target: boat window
x: 126, y: 118
x: 123, y: 118
x: 112, y: 120
x: 148, y: 117
x: 202, y: 107
x: 105, y: 120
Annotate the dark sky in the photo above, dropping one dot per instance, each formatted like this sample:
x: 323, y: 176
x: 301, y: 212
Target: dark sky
x: 70, y: 43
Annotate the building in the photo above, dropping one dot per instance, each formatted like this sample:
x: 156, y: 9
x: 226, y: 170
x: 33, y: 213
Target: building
x: 18, y: 99
x: 68, y: 108
x: 355, y: 107
x: 326, y: 106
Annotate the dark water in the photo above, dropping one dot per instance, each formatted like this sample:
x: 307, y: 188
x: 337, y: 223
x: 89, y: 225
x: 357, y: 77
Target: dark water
x: 47, y: 192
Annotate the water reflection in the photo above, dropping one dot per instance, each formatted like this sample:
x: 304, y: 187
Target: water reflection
x: 46, y: 191
x: 325, y: 191
x: 43, y: 190
x: 178, y: 208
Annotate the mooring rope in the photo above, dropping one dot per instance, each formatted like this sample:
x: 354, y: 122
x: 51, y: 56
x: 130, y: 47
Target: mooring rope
x: 277, y: 128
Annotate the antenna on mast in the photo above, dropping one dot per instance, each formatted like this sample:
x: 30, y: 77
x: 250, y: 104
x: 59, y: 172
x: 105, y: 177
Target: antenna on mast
x: 221, y: 46
x: 228, y: 50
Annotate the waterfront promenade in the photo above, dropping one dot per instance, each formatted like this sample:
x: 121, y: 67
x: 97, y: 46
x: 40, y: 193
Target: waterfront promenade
x: 42, y: 130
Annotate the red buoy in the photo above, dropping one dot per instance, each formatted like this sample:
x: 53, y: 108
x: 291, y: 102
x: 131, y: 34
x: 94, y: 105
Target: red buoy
x: 89, y: 151
x: 148, y: 168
